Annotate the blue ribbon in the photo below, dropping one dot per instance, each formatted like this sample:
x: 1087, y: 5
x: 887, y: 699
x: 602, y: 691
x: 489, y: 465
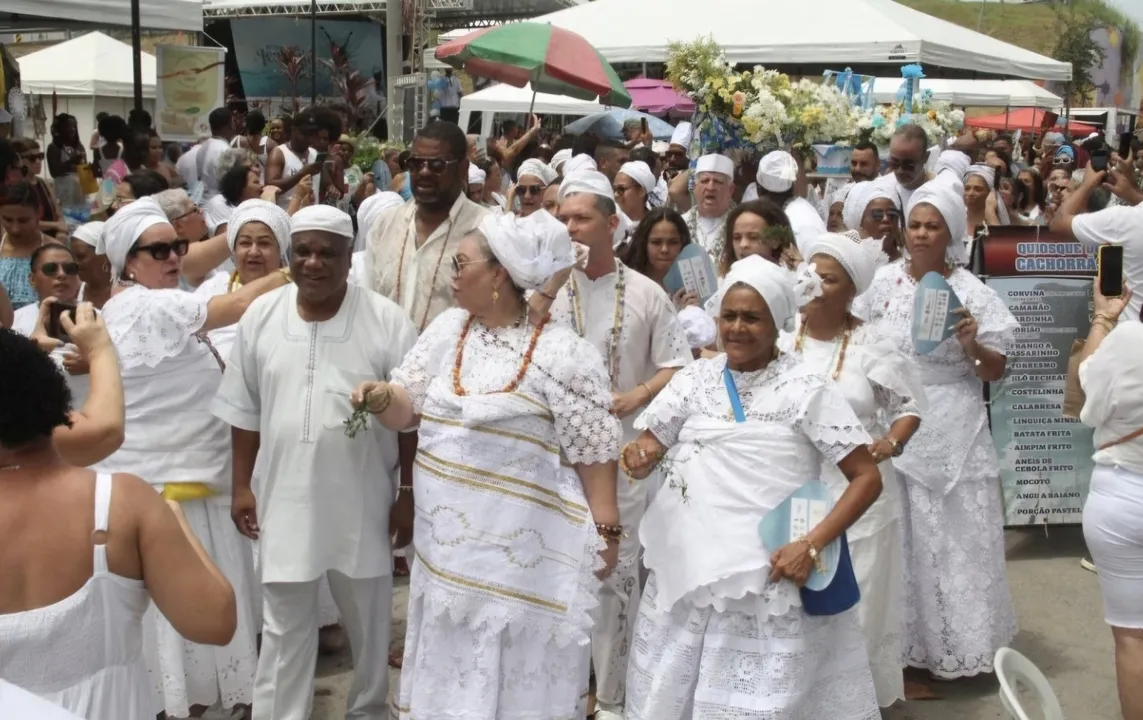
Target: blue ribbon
x: 732, y: 391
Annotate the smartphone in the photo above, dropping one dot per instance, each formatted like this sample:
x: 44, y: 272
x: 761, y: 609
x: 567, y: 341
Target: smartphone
x: 643, y: 124
x: 1100, y: 158
x: 1126, y: 144
x: 321, y: 158
x: 55, y: 328
x: 1110, y: 265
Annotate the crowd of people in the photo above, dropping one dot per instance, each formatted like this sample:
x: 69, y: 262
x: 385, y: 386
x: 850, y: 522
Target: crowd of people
x: 227, y: 405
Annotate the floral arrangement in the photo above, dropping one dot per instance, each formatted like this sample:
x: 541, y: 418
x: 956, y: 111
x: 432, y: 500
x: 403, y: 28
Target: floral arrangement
x: 759, y: 108
x: 938, y: 119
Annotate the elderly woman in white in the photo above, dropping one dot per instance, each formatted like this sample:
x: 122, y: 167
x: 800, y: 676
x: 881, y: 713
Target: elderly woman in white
x: 532, y: 179
x: 883, y: 386
x: 514, y: 488
x: 1111, y: 374
x: 170, y: 374
x: 959, y: 606
x: 721, y: 631
x: 873, y: 210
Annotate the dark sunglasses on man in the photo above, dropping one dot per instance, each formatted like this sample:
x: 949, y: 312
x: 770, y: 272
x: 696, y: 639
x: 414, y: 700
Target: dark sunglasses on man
x: 435, y: 165
x: 54, y: 268
x: 162, y: 250
x: 899, y: 164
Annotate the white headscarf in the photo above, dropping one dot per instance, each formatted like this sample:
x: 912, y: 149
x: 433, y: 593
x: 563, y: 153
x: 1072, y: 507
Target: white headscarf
x: 638, y: 171
x: 860, y: 195
x: 531, y: 249
x: 946, y: 193
x: 777, y: 171
x: 560, y: 158
x: 267, y: 213
x: 537, y: 169
x: 775, y: 284
x: 476, y: 176
x: 860, y: 258
x: 122, y: 231
x: 837, y: 196
x: 583, y: 161
x: 987, y: 173
x: 368, y: 212
x: 953, y: 161
x: 586, y: 181
x: 90, y: 233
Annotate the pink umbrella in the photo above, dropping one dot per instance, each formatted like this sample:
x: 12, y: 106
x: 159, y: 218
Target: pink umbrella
x: 657, y: 97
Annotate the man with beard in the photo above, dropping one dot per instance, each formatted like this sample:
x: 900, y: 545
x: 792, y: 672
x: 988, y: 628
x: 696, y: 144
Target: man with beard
x: 413, y: 244
x: 714, y: 192
x: 864, y: 162
x: 323, y: 504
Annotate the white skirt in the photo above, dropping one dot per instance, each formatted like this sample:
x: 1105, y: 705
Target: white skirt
x: 878, y: 563
x: 693, y: 663
x: 327, y: 608
x: 185, y: 673
x: 958, y: 604
x: 1114, y: 536
x: 455, y: 671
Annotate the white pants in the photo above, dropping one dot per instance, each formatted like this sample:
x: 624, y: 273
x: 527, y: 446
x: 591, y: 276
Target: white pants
x: 619, y: 601
x: 283, y: 687
x: 1114, y: 536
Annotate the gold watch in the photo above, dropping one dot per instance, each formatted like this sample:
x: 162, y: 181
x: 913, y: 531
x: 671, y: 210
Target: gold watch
x: 898, y: 448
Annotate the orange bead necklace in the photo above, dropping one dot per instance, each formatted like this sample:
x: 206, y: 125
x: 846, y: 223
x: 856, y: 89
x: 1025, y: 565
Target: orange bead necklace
x: 458, y: 388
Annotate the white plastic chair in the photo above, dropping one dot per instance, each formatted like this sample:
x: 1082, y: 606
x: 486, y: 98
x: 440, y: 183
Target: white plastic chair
x: 1012, y: 668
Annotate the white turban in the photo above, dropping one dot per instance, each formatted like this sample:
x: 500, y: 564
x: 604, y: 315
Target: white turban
x: 582, y: 161
x: 946, y: 194
x: 699, y: 327
x: 682, y: 135
x: 369, y: 210
x: 560, y: 158
x: 537, y: 169
x: 90, y: 233
x: 774, y: 283
x: 638, y: 171
x: 122, y: 231
x: 267, y: 213
x: 985, y: 172
x: 323, y: 218
x: 953, y: 161
x: 837, y: 196
x: 531, y: 249
x: 660, y: 147
x: 586, y: 181
x: 777, y: 171
x: 860, y: 258
x: 715, y: 163
x: 860, y: 195
x: 476, y: 176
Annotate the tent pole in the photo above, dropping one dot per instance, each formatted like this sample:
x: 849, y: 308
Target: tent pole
x: 1007, y: 116
x: 313, y: 52
x: 531, y: 107
x: 137, y: 53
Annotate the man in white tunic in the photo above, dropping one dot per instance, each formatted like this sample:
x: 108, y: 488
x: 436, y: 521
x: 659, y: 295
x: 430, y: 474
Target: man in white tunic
x: 777, y: 176
x: 323, y: 501
x: 714, y: 194
x: 603, y: 302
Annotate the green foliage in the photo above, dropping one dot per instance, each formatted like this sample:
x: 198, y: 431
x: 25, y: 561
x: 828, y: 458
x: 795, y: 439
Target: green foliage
x: 1074, y: 44
x: 369, y: 151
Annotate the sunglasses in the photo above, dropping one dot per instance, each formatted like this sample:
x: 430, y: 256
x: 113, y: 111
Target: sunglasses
x: 530, y: 189
x: 34, y: 157
x: 1062, y: 160
x: 163, y: 250
x: 906, y: 165
x: 457, y: 264
x: 881, y: 215
x: 53, y: 268
x: 435, y: 165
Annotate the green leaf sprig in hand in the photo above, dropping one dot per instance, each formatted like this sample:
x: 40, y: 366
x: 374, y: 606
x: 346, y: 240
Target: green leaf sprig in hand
x: 357, y: 422
x: 370, y: 398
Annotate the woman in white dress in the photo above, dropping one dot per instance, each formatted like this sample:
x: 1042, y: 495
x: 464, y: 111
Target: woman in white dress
x: 514, y: 488
x: 883, y: 386
x: 171, y: 373
x: 959, y: 608
x: 721, y: 631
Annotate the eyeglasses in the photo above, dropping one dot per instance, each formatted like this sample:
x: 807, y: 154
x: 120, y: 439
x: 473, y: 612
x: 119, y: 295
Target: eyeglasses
x: 457, y: 264
x: 53, y: 268
x: 34, y: 157
x: 435, y: 165
x: 622, y: 189
x: 162, y: 250
x: 530, y: 189
x: 881, y: 215
x: 898, y: 163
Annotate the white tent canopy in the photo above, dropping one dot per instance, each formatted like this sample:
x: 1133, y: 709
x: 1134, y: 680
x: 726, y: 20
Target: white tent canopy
x: 508, y: 99
x: 975, y: 93
x: 153, y: 14
x: 834, y: 33
x: 92, y: 65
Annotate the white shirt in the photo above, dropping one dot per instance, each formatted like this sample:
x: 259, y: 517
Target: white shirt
x: 24, y: 322
x: 187, y: 166
x: 211, y: 153
x: 1112, y: 380
x: 1117, y: 226
x: 291, y: 166
x: 805, y: 221
x: 449, y: 97
x: 323, y: 498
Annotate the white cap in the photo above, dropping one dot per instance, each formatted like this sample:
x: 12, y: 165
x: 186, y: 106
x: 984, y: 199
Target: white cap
x: 777, y: 171
x: 715, y: 163
x: 586, y: 181
x: 682, y: 135
x: 560, y: 158
x: 324, y: 218
x: 660, y: 147
x: 476, y: 176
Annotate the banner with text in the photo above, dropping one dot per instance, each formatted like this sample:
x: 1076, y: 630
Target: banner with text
x: 1045, y: 458
x: 191, y: 83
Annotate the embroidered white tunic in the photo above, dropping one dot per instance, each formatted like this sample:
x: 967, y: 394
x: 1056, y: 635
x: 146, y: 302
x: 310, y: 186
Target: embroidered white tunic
x: 709, y: 233
x: 323, y: 498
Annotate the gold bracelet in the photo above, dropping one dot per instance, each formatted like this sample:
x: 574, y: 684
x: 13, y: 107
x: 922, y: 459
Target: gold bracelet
x: 647, y: 387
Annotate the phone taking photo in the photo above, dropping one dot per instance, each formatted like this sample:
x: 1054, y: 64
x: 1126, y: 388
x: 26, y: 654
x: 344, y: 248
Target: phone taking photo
x: 1100, y: 159
x: 1109, y: 262
x: 55, y: 328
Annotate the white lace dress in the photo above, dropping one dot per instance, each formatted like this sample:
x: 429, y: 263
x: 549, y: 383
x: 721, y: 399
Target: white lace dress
x: 170, y: 377
x: 959, y: 607
x: 715, y: 639
x: 882, y: 385
x: 503, y: 582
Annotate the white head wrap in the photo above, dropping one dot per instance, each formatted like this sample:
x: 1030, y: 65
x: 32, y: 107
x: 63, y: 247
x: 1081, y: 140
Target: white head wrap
x: 682, y: 135
x: 586, y: 181
x: 126, y: 225
x: 560, y: 158
x: 987, y: 173
x: 860, y: 258
x: 531, y: 249
x: 837, y: 196
x: 583, y: 161
x: 638, y: 171
x: 715, y: 163
x: 476, y: 176
x: 860, y: 195
x: 953, y: 161
x: 369, y: 211
x: 700, y: 328
x: 324, y: 218
x: 660, y: 147
x: 774, y: 283
x: 264, y: 212
x: 946, y: 194
x: 537, y: 169
x: 90, y: 233
x: 777, y: 171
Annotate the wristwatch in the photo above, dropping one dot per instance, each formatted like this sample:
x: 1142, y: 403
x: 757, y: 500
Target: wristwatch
x: 898, y: 448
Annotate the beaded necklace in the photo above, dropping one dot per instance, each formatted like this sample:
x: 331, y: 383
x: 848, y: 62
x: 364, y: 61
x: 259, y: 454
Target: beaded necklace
x: 458, y: 388
x: 719, y: 232
x: 616, y: 320
x: 436, y: 270
x: 839, y: 353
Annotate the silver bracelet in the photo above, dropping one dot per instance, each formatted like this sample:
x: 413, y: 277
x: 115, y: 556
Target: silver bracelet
x: 404, y: 488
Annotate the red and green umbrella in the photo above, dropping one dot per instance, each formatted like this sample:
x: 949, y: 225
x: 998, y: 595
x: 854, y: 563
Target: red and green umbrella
x: 550, y: 59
